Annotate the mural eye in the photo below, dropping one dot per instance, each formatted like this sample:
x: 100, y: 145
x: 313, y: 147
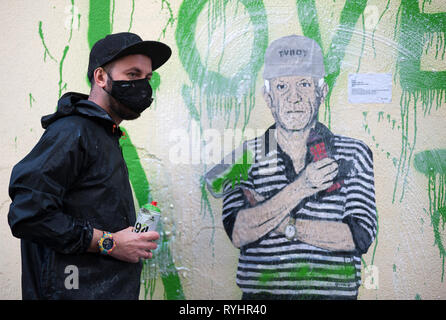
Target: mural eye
x: 305, y: 84
x: 281, y: 86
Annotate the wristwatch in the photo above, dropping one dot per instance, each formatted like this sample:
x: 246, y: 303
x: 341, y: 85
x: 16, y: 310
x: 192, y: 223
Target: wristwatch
x: 106, y: 243
x: 290, y: 230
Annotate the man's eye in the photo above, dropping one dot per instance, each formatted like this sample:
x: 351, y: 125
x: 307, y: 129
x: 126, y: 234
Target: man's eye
x: 305, y: 84
x: 281, y: 86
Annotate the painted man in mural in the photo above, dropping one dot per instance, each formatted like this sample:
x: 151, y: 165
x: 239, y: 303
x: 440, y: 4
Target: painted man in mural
x: 304, y: 212
x: 72, y: 205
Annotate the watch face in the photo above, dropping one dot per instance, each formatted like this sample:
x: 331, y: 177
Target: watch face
x: 290, y: 232
x: 107, y: 244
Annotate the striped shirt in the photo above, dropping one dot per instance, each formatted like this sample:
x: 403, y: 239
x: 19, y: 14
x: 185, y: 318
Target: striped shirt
x: 290, y: 268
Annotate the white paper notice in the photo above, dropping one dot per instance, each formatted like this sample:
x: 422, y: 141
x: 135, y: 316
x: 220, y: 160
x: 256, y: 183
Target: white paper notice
x: 370, y: 88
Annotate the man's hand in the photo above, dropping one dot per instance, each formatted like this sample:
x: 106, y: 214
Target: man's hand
x: 131, y: 246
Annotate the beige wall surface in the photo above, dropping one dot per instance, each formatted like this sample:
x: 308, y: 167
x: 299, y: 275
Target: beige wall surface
x: 214, y: 82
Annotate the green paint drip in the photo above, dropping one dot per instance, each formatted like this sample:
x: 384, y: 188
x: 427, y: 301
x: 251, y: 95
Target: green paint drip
x: 131, y: 15
x: 155, y: 82
x: 376, y: 27
x: 415, y: 29
x: 333, y: 58
x: 31, y: 100
x: 46, y: 51
x: 62, y: 85
x: 210, y: 89
x: 170, y: 21
x: 363, y: 43
x: 432, y: 164
x: 205, y: 206
x: 72, y: 20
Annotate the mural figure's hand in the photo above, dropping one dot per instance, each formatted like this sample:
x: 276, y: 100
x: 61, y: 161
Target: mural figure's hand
x: 132, y: 246
x: 319, y: 175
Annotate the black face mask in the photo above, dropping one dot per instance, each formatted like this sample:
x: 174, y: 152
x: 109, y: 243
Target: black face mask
x: 134, y: 94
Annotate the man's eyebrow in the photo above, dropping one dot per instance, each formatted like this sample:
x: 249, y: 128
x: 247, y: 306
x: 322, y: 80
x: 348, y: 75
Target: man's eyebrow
x: 137, y: 70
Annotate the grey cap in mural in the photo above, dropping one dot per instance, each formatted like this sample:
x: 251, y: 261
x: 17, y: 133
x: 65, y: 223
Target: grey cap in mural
x: 293, y: 56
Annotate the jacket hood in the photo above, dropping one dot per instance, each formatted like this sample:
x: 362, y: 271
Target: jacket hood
x: 73, y: 103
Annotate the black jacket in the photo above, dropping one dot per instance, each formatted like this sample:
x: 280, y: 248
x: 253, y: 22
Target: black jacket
x: 75, y: 179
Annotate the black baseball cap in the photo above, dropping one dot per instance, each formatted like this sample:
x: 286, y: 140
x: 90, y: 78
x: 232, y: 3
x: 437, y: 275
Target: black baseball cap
x: 118, y: 45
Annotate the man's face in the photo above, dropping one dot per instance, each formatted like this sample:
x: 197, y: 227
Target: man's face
x: 294, y: 101
x: 132, y: 67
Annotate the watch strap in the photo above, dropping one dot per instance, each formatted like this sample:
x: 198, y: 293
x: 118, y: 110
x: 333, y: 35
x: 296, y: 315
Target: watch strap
x: 105, y: 239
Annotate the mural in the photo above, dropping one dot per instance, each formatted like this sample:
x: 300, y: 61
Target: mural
x: 304, y: 211
x: 215, y: 92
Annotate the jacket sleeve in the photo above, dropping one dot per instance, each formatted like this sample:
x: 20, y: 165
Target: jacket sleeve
x: 360, y: 206
x: 37, y: 188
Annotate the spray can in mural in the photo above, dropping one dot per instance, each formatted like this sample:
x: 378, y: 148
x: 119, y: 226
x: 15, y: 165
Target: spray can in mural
x: 232, y: 169
x: 148, y: 218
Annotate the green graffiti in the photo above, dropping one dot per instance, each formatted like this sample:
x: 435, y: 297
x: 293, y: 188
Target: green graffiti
x: 170, y: 21
x: 336, y: 51
x: 137, y: 175
x: 99, y: 27
x: 98, y: 21
x: 419, y: 87
x: 72, y: 20
x: 376, y: 27
x: 432, y: 164
x: 31, y: 100
x: 236, y: 173
x: 218, y: 92
x: 112, y: 22
x: 62, y: 85
x: 155, y: 82
x: 212, y: 93
x: 131, y: 15
x: 46, y: 51
x: 306, y: 272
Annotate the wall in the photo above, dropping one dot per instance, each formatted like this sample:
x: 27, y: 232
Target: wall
x: 213, y: 81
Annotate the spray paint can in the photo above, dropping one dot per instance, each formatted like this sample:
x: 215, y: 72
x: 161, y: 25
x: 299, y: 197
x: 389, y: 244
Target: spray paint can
x: 233, y: 169
x: 148, y: 218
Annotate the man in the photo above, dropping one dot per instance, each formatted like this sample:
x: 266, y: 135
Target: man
x: 72, y: 204
x: 305, y: 211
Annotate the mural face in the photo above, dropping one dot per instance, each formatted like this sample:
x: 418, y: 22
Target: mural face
x: 294, y: 101
x: 210, y: 246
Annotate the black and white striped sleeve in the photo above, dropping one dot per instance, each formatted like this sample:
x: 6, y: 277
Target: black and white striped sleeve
x: 233, y: 201
x: 360, y: 207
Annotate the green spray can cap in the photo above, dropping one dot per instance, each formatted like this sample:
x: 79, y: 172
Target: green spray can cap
x: 152, y: 206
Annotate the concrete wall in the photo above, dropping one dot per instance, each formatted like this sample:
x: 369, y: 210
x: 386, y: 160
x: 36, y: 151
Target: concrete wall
x: 214, y: 81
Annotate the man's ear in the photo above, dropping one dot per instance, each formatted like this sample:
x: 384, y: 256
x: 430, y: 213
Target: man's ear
x: 323, y: 91
x: 100, y: 77
x: 267, y: 97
